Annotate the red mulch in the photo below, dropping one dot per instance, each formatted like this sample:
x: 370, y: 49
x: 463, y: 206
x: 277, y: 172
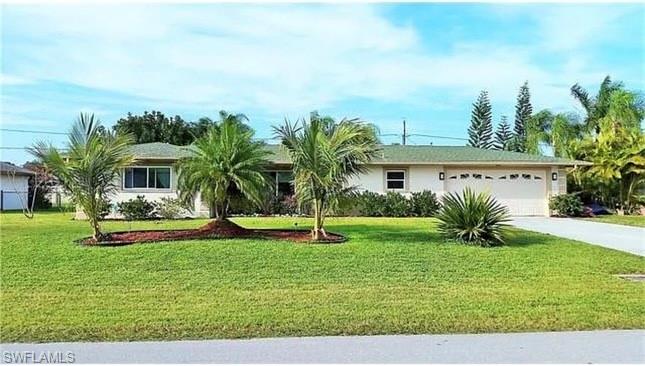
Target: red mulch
x: 214, y: 229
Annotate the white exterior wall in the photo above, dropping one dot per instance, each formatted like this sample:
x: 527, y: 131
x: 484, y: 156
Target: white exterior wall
x: 14, y: 191
x: 530, y: 198
x: 370, y: 181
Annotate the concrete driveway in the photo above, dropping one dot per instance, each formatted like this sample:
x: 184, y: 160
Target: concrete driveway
x: 609, y: 346
x: 620, y: 237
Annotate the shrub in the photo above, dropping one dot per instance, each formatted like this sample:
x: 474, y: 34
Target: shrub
x: 370, y: 204
x: 472, y: 218
x: 424, y: 204
x: 105, y: 207
x: 170, y: 208
x: 136, y: 209
x: 566, y: 204
x: 396, y: 205
x: 240, y: 205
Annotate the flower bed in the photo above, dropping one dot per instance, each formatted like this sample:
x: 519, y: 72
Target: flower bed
x: 212, y: 230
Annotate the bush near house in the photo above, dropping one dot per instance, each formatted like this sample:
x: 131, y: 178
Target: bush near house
x: 424, y: 204
x: 394, y: 204
x: 170, y: 208
x: 136, y: 209
x: 568, y: 204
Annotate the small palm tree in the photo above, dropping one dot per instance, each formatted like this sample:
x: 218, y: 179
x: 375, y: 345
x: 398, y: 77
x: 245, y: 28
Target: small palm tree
x: 226, y: 158
x: 325, y: 154
x: 90, y: 167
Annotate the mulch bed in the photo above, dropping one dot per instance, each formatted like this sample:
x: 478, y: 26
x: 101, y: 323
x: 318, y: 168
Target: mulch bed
x: 213, y: 230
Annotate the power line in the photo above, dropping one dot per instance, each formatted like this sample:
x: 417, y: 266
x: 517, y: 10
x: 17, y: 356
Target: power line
x: 33, y: 131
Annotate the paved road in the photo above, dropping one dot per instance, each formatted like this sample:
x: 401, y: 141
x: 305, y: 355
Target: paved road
x: 619, y: 346
x: 620, y: 237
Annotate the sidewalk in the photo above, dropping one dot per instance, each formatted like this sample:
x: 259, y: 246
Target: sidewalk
x: 619, y: 346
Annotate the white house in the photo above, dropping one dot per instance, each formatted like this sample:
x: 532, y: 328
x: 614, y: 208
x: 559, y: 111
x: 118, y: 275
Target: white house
x: 522, y: 182
x: 14, y: 186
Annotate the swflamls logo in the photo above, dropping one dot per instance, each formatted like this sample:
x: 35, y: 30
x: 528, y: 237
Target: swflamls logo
x: 38, y: 357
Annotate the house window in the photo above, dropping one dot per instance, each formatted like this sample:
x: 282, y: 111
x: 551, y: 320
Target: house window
x: 477, y: 176
x: 147, y: 178
x: 395, y: 179
x: 283, y: 182
x: 464, y: 176
x: 526, y: 176
x: 514, y: 176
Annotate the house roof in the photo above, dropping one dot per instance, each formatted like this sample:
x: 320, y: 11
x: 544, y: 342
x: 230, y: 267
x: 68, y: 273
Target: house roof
x: 389, y: 155
x: 7, y: 168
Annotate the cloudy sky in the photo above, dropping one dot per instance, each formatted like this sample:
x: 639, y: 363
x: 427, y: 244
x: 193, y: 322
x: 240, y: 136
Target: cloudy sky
x: 424, y: 62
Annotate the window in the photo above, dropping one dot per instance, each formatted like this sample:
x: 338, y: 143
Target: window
x: 502, y: 177
x: 526, y: 176
x: 283, y: 182
x: 514, y: 176
x: 477, y: 176
x: 537, y: 177
x: 453, y: 177
x: 464, y: 176
x: 489, y: 177
x: 395, y: 179
x: 147, y: 178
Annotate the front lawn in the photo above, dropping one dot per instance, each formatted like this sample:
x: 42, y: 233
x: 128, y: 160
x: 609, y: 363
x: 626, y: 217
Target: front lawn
x: 638, y: 221
x: 392, y: 276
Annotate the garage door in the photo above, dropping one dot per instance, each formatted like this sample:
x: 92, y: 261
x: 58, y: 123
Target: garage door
x: 523, y: 191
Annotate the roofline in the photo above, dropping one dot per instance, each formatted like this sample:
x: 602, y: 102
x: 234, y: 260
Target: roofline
x: 491, y: 163
x: 488, y: 163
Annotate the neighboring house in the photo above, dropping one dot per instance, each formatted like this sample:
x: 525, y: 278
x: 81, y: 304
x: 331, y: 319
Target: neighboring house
x: 14, y: 186
x: 522, y: 182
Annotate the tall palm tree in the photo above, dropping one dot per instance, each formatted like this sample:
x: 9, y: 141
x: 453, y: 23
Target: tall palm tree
x: 596, y: 107
x: 226, y: 158
x: 325, y: 154
x: 91, y: 165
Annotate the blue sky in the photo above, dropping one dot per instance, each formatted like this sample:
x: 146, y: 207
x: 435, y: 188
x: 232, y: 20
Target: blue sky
x: 380, y: 62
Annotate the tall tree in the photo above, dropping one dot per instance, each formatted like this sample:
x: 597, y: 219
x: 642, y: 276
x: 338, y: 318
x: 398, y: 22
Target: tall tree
x: 523, y: 112
x: 596, y: 107
x: 227, y: 157
x: 480, y: 132
x: 155, y: 127
x: 325, y: 155
x: 617, y: 175
x: 503, y: 135
x: 89, y: 167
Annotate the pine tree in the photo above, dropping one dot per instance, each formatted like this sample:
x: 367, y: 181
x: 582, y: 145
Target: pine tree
x: 480, y: 131
x: 503, y: 135
x: 523, y: 111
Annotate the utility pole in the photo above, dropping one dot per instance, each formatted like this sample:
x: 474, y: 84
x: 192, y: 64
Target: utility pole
x: 405, y: 134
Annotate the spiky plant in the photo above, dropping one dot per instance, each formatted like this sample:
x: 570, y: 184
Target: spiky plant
x: 90, y: 166
x: 474, y: 218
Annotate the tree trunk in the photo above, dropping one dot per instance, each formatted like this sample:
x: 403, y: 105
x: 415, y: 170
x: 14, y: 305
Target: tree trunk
x: 96, y: 230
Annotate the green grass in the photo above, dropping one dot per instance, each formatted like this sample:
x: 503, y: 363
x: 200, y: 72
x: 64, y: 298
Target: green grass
x: 392, y: 276
x: 638, y: 221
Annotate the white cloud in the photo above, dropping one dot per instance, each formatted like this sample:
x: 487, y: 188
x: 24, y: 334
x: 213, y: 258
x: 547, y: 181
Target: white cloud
x: 281, y: 59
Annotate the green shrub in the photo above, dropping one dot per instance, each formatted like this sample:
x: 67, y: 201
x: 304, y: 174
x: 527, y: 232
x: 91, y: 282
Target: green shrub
x: 370, y: 204
x: 105, y: 207
x: 472, y: 218
x: 170, y: 208
x: 424, y: 204
x: 396, y: 205
x: 240, y: 205
x: 566, y: 204
x: 136, y: 209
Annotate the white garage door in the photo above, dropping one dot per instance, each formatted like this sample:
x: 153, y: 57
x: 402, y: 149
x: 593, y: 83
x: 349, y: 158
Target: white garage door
x: 523, y: 191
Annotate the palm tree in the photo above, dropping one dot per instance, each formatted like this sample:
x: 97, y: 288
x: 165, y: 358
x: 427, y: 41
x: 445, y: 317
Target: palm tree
x: 325, y: 154
x: 90, y: 167
x: 225, y: 158
x: 595, y: 107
